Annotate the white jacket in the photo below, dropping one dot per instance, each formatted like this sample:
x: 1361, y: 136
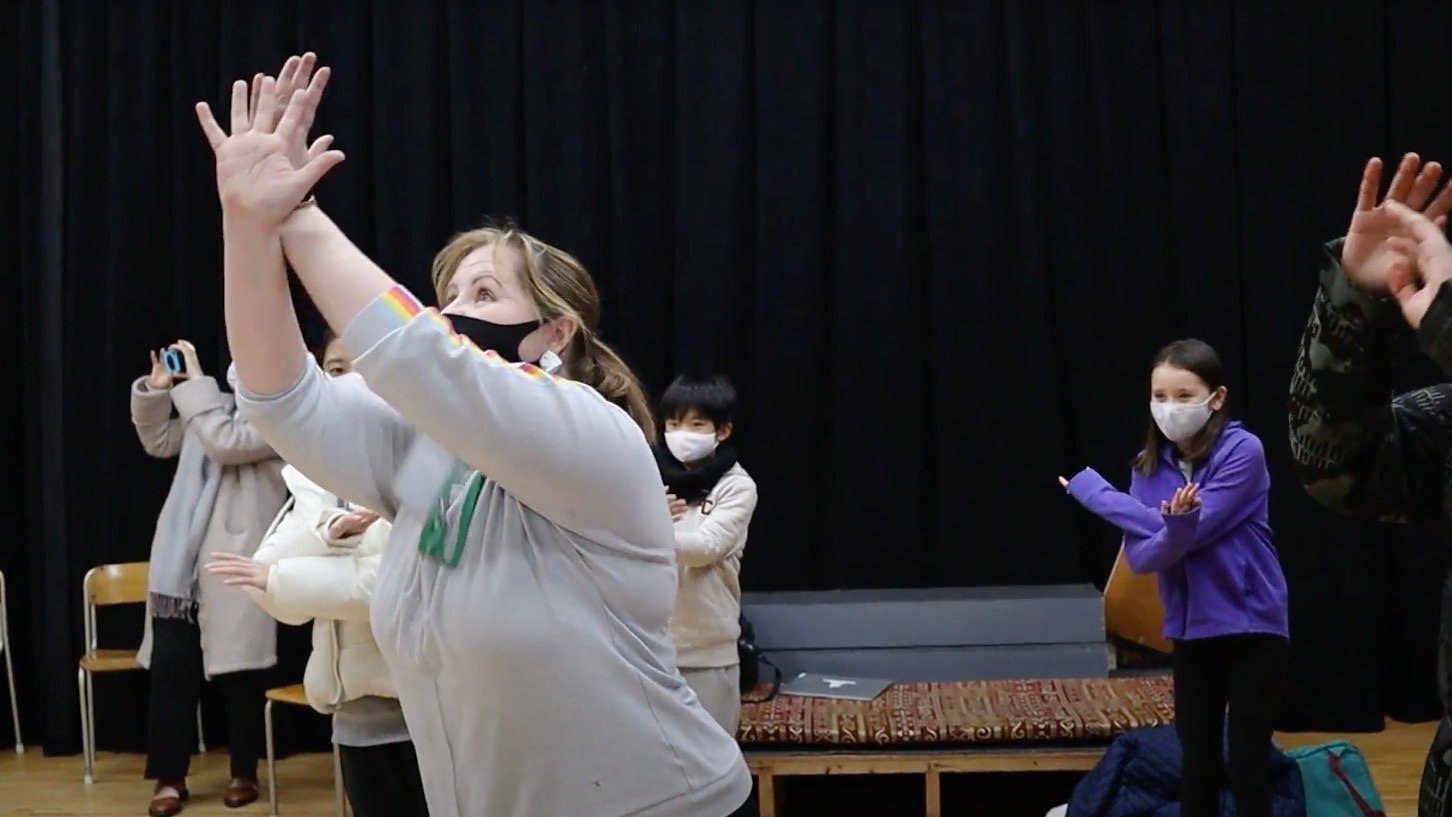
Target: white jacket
x: 329, y: 581
x: 710, y: 539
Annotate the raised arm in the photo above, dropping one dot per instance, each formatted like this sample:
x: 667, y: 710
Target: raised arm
x: 160, y: 433
x: 344, y: 438
x: 717, y: 537
x: 259, y: 187
x: 1358, y: 449
x: 227, y: 438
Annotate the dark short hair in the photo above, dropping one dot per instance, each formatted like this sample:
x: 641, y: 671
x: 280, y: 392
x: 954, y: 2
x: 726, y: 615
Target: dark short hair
x: 321, y: 350
x: 714, y: 397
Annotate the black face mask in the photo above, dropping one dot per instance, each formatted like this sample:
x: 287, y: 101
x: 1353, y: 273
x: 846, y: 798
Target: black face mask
x: 502, y: 338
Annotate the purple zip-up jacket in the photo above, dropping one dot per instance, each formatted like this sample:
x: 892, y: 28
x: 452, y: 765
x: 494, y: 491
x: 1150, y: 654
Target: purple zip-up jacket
x: 1217, y: 570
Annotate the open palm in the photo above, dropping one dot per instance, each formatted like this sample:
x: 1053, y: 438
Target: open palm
x: 296, y: 74
x: 256, y: 178
x: 1416, y: 287
x: 1366, y: 257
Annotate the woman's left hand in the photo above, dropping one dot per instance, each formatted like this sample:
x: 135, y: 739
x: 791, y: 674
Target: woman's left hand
x: 239, y: 571
x: 256, y: 179
x: 296, y: 74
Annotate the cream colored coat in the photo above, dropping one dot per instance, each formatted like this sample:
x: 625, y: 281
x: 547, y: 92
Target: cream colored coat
x: 710, y: 541
x: 328, y: 580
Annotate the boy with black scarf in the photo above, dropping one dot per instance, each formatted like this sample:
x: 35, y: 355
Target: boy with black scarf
x: 712, y: 499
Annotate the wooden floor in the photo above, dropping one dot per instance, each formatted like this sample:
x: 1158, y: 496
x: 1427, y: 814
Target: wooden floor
x: 35, y: 786
x: 32, y: 785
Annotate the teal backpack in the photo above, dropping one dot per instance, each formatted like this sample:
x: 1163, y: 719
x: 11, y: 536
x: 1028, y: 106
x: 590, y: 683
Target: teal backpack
x: 1337, y: 782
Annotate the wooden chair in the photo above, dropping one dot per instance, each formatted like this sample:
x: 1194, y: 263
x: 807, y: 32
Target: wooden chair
x: 106, y: 586
x: 6, y: 648
x: 1132, y: 609
x: 295, y: 696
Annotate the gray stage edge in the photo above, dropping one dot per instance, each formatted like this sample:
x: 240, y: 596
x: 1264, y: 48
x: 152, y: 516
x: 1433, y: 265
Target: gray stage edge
x: 938, y: 634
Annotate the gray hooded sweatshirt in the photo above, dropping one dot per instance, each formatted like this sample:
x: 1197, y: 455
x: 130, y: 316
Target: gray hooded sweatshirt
x: 532, y: 654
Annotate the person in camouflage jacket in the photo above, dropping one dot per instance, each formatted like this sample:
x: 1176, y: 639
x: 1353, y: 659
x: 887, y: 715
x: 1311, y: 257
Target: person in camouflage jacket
x: 1360, y: 448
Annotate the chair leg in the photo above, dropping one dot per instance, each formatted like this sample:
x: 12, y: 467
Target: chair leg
x: 271, y: 758
x: 91, y: 716
x: 9, y: 672
x: 10, y: 675
x: 201, y: 741
x: 87, y: 772
x: 338, y: 794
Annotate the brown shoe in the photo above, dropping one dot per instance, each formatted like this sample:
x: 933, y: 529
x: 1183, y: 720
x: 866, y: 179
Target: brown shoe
x: 240, y: 792
x: 167, y: 798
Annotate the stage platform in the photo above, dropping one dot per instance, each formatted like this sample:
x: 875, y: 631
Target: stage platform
x: 938, y: 634
x: 933, y: 729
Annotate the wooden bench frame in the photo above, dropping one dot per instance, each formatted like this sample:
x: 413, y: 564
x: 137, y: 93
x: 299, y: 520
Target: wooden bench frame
x: 769, y: 764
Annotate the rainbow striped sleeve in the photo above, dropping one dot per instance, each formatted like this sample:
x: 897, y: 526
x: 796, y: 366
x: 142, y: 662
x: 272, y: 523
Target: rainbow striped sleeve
x: 397, y: 308
x: 384, y: 315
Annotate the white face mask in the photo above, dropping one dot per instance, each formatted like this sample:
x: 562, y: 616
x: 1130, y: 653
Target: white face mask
x: 232, y: 377
x: 691, y: 446
x: 1181, y: 421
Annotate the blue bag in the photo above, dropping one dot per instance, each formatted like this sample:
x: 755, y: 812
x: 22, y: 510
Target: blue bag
x: 1337, y: 781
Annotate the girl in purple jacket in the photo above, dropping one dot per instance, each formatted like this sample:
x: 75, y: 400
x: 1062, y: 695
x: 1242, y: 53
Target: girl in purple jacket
x: 1196, y: 516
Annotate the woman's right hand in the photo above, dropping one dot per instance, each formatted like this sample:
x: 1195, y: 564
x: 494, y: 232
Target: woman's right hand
x: 160, y: 378
x: 256, y: 181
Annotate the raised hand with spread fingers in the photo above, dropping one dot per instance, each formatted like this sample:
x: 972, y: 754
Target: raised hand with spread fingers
x: 1370, y: 256
x: 256, y: 176
x: 1416, y: 286
x: 297, y: 74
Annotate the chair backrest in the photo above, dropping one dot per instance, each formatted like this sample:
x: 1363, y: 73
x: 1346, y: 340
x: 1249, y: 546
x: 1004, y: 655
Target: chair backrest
x: 105, y: 585
x: 1132, y: 609
x: 116, y: 584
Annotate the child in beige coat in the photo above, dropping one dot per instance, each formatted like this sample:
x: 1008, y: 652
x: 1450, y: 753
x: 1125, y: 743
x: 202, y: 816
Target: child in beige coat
x: 712, y: 499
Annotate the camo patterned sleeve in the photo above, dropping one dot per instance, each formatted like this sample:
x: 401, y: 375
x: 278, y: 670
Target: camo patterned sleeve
x: 1359, y: 449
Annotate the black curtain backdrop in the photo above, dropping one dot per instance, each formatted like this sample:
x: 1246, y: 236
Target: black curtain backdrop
x: 933, y: 243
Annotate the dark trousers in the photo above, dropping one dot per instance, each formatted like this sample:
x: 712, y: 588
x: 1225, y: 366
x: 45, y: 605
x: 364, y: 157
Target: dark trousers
x: 1244, y: 672
x: 176, y: 685
x: 383, y: 780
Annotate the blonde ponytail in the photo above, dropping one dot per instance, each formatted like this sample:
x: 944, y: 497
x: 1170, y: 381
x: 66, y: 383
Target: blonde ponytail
x: 604, y: 370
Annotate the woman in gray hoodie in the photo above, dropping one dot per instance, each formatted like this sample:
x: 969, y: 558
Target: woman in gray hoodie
x: 524, y: 600
x: 227, y: 488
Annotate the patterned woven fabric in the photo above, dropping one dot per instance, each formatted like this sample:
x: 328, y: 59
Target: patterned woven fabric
x: 987, y: 712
